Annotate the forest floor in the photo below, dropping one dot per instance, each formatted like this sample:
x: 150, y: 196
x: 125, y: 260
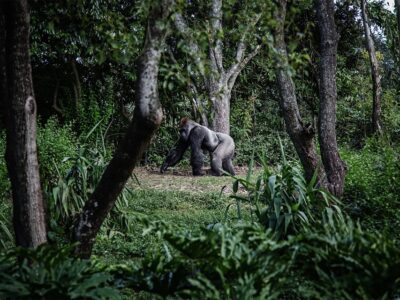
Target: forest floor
x: 175, y: 197
x: 181, y: 179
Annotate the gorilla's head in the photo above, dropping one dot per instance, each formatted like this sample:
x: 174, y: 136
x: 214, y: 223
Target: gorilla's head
x: 186, y: 125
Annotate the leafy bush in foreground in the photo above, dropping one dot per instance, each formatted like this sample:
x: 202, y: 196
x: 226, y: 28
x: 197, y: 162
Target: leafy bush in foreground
x: 335, y: 261
x: 282, y: 200
x: 50, y: 273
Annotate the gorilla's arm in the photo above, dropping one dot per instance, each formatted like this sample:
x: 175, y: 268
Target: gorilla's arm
x: 175, y: 155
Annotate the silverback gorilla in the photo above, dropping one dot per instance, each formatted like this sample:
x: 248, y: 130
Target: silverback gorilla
x: 220, y: 146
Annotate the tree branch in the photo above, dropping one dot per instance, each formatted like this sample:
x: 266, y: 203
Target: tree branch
x: 216, y: 55
x: 194, y: 49
x: 194, y: 90
x: 241, y: 45
x: 235, y: 70
x: 242, y: 61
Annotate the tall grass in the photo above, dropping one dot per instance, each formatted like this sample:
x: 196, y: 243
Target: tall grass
x: 75, y: 187
x: 282, y: 200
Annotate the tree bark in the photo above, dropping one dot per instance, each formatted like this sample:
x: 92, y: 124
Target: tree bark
x: 301, y: 135
x: 19, y: 101
x: 220, y: 96
x: 376, y: 77
x: 334, y: 167
x: 146, y: 120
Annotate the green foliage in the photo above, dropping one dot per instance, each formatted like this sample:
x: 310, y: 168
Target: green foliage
x: 342, y: 261
x: 5, y: 185
x: 98, y: 31
x: 74, y: 187
x: 96, y: 108
x: 51, y: 273
x: 6, y: 234
x: 187, y: 209
x: 391, y: 115
x: 282, y: 200
x: 372, y: 189
x: 165, y: 140
x: 212, y: 264
x: 354, y: 104
x: 302, y: 246
x: 335, y: 260
x: 55, y: 142
x: 6, y: 237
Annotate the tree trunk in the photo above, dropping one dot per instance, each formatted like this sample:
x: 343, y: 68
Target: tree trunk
x: 376, y: 77
x: 21, y: 153
x: 335, y: 168
x: 220, y: 96
x: 146, y: 120
x: 301, y: 135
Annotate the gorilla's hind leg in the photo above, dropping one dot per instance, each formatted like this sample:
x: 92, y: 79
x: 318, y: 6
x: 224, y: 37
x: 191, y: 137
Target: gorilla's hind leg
x: 216, y: 165
x: 228, y: 166
x: 196, y: 159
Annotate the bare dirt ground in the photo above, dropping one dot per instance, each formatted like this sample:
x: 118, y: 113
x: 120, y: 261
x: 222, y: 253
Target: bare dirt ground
x: 181, y: 179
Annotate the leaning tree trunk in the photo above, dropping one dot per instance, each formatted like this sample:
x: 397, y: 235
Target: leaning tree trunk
x: 19, y: 101
x: 376, y: 77
x: 146, y: 120
x: 334, y: 167
x: 301, y: 135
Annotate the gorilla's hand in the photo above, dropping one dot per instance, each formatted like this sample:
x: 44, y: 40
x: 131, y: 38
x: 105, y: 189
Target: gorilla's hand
x: 164, y: 167
x: 174, y: 156
x: 169, y: 161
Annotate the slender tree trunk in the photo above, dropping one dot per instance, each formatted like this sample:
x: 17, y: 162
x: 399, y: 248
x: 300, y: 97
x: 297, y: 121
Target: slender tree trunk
x: 146, y: 120
x: 19, y: 101
x: 335, y: 168
x: 301, y: 135
x: 376, y: 77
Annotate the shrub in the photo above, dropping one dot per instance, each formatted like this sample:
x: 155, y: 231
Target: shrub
x: 55, y: 142
x: 334, y: 260
x: 74, y: 187
x: 281, y: 199
x: 97, y: 106
x: 50, y: 273
x: 5, y: 185
x: 372, y: 190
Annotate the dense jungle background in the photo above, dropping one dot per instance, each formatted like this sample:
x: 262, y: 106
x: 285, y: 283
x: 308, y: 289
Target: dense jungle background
x: 309, y: 91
